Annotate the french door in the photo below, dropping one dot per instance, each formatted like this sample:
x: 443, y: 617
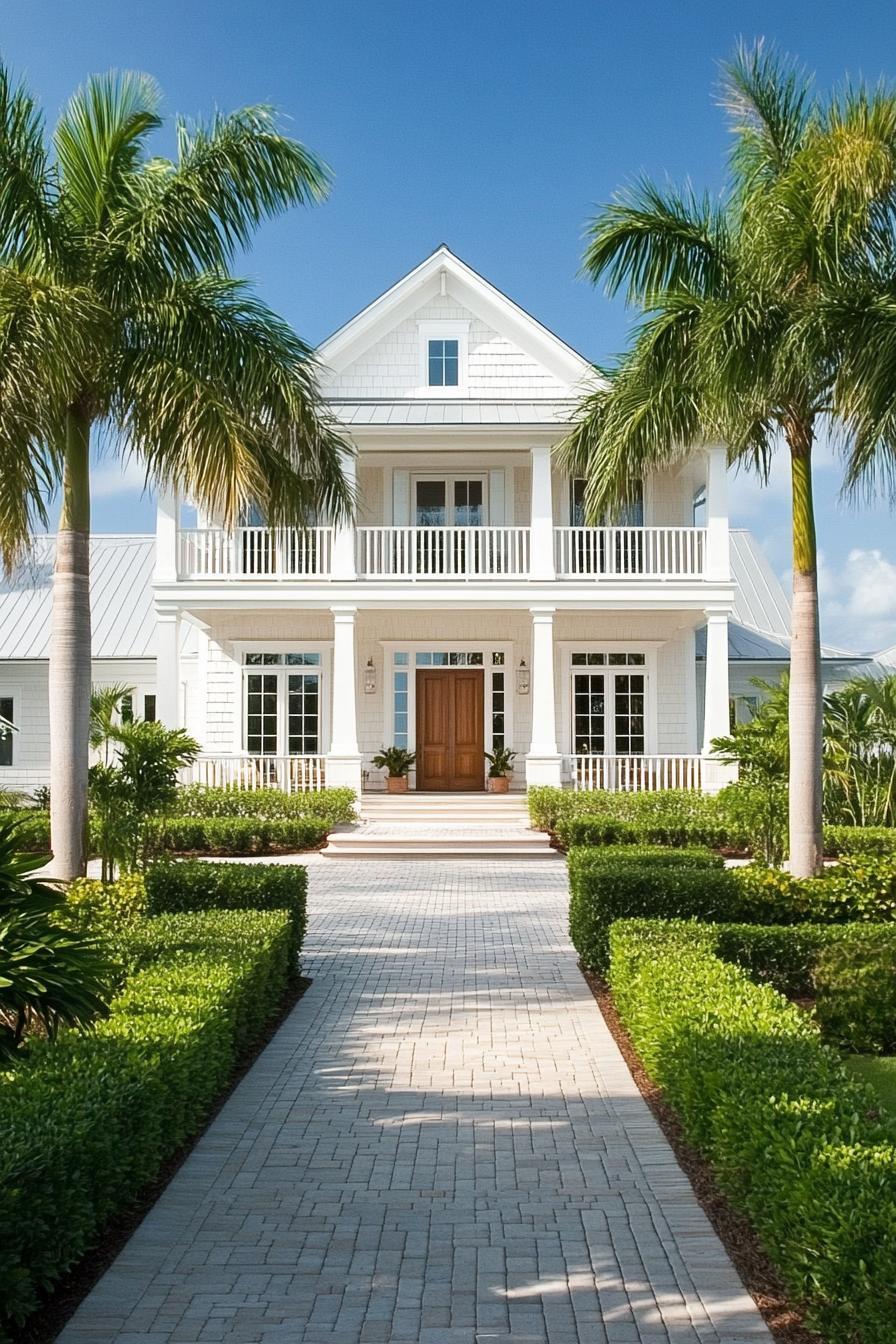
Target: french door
x: 609, y: 713
x: 283, y: 713
x: 449, y: 502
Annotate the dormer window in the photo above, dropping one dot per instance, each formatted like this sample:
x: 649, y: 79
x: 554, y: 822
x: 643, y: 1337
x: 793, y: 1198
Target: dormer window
x: 443, y: 363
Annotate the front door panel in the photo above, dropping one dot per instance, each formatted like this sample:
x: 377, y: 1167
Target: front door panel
x: 450, y: 730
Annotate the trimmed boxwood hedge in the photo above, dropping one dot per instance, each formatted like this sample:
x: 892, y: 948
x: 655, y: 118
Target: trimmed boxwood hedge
x: 609, y: 884
x: 240, y: 834
x: 796, y: 1144
x: 175, y: 888
x: 328, y: 805
x: 859, y: 840
x: 89, y: 1121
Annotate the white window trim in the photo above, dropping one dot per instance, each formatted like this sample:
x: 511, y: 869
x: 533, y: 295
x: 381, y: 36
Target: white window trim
x: 241, y: 648
x: 647, y: 647
x: 443, y: 331
x: 391, y: 647
x: 449, y: 477
x: 15, y: 692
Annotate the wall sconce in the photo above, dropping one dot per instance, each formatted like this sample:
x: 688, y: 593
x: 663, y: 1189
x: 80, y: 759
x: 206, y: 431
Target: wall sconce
x: 522, y: 678
x: 369, y: 677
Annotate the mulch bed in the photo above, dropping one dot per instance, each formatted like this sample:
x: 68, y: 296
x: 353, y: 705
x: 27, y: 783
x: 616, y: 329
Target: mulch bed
x: 735, y: 1232
x: 45, y: 1324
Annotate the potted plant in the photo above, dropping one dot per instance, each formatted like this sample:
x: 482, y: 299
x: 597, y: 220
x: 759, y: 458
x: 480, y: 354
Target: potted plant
x: 500, y: 768
x: 397, y: 762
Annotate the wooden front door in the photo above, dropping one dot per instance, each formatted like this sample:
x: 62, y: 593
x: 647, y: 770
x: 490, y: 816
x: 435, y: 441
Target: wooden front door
x: 450, y: 729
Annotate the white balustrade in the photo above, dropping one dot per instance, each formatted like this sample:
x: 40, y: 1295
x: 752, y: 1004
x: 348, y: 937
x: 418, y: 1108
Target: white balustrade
x: 630, y: 552
x: 636, y: 774
x: 443, y: 552
x: 289, y: 774
x: 255, y: 553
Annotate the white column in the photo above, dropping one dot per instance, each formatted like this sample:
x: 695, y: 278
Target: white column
x: 167, y: 515
x: 541, y: 523
x: 344, y: 756
x: 716, y: 722
x: 344, y: 544
x: 718, y: 559
x: 543, y: 763
x: 168, y: 668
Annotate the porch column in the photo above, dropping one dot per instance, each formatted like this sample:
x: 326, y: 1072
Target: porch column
x: 717, y: 561
x: 167, y: 518
x: 715, y: 701
x: 168, y: 668
x: 344, y: 543
x: 541, y: 522
x: 543, y: 763
x: 344, y: 756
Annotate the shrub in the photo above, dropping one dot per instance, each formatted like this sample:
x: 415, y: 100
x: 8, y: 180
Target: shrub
x: 88, y: 1122
x: 33, y: 834
x: 860, y: 888
x: 671, y: 817
x: 329, y: 805
x: 756, y: 810
x: 877, y: 840
x: 855, y: 983
x: 782, y: 956
x: 174, y: 888
x: 793, y: 1141
x: 240, y: 835
x: 106, y: 906
x: 670, y: 883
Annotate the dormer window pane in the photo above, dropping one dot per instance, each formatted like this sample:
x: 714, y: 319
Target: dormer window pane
x: 443, y: 364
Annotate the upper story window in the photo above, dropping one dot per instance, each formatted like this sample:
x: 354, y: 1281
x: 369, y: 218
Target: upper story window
x: 443, y: 363
x: 631, y: 515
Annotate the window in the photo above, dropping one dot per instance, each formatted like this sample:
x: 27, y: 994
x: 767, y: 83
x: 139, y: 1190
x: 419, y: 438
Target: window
x: 630, y: 515
x: 609, y: 707
x: 498, y: 719
x: 127, y: 709
x: 282, y: 704
x: 589, y: 713
x: 7, y: 712
x: 149, y: 708
x: 400, y: 709
x: 443, y: 363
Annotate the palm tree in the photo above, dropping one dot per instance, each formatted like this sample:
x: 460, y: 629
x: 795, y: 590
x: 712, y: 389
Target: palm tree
x: 119, y: 317
x: 766, y: 315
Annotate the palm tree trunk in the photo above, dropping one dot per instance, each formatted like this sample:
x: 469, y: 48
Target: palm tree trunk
x: 805, y: 711
x: 70, y: 657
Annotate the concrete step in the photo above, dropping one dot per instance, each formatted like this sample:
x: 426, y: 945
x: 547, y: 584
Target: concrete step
x: 455, y: 816
x: 399, y: 852
x: 497, y: 838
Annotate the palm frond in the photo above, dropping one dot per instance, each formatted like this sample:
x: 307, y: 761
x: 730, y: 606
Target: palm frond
x: 28, y: 225
x: 100, y: 143
x: 230, y: 175
x: 770, y: 105
x: 649, y: 241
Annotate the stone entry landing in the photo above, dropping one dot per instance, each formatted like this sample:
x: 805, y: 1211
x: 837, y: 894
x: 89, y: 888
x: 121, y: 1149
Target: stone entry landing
x: 447, y: 826
x: 442, y: 1145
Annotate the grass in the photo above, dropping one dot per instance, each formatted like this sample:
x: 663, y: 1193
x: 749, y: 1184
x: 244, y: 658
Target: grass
x: 880, y: 1072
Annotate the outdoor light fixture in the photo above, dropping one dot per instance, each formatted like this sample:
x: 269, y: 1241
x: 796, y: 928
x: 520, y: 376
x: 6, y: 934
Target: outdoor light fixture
x: 369, y: 677
x: 522, y: 678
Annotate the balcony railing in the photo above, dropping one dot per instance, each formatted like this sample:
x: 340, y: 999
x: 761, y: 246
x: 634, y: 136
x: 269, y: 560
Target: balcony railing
x: 255, y: 552
x: 443, y: 552
x: 290, y: 774
x: 414, y: 553
x: 636, y: 774
x: 629, y: 552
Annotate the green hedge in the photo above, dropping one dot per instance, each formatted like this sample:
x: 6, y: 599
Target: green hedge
x: 329, y: 805
x: 878, y: 840
x: 670, y: 817
x: 88, y: 1122
x: 860, y: 888
x: 855, y: 984
x: 794, y: 1142
x: 241, y: 835
x: 610, y: 884
x: 175, y: 888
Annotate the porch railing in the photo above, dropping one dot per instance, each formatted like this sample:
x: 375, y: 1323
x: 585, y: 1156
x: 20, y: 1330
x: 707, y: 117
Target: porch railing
x: 443, y: 552
x: 255, y: 552
x: 629, y: 552
x: 290, y: 774
x: 636, y: 774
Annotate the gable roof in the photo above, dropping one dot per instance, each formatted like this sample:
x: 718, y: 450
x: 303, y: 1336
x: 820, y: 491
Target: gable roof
x: 121, y: 599
x: 425, y: 281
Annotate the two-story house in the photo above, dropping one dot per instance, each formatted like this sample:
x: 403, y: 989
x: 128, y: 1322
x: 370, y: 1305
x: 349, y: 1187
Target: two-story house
x: 468, y: 606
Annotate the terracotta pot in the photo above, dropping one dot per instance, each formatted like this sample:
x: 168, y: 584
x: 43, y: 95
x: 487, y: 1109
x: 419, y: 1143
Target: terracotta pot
x: 498, y: 783
x: 396, y: 783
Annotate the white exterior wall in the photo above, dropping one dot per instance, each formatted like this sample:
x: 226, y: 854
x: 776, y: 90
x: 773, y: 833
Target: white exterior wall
x: 496, y: 367
x: 26, y: 682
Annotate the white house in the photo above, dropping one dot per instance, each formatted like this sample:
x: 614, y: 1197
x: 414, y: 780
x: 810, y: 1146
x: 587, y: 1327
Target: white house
x: 466, y: 608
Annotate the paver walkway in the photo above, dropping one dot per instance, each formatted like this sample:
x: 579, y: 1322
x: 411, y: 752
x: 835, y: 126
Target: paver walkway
x: 442, y: 1145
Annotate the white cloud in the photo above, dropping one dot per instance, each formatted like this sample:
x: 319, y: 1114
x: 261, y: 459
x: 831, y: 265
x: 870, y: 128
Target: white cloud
x: 112, y: 477
x: 859, y: 600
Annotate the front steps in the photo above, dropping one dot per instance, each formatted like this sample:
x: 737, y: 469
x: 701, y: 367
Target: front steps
x: 441, y: 826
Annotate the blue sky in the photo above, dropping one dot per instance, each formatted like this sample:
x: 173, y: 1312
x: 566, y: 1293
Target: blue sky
x: 497, y: 128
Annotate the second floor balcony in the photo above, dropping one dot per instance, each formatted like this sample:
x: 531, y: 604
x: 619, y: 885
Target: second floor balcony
x: 412, y: 554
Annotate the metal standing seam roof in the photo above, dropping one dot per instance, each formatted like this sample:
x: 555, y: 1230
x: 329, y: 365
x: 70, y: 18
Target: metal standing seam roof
x: 760, y: 601
x: 121, y: 599
x: 425, y: 411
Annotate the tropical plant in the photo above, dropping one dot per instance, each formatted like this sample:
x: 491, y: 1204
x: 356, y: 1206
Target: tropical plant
x: 757, y: 805
x: 50, y: 974
x: 397, y: 761
x: 860, y: 752
x: 500, y: 762
x: 106, y: 716
x: 118, y: 316
x: 768, y: 316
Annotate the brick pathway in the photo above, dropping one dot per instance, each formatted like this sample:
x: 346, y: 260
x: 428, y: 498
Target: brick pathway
x: 441, y: 1145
